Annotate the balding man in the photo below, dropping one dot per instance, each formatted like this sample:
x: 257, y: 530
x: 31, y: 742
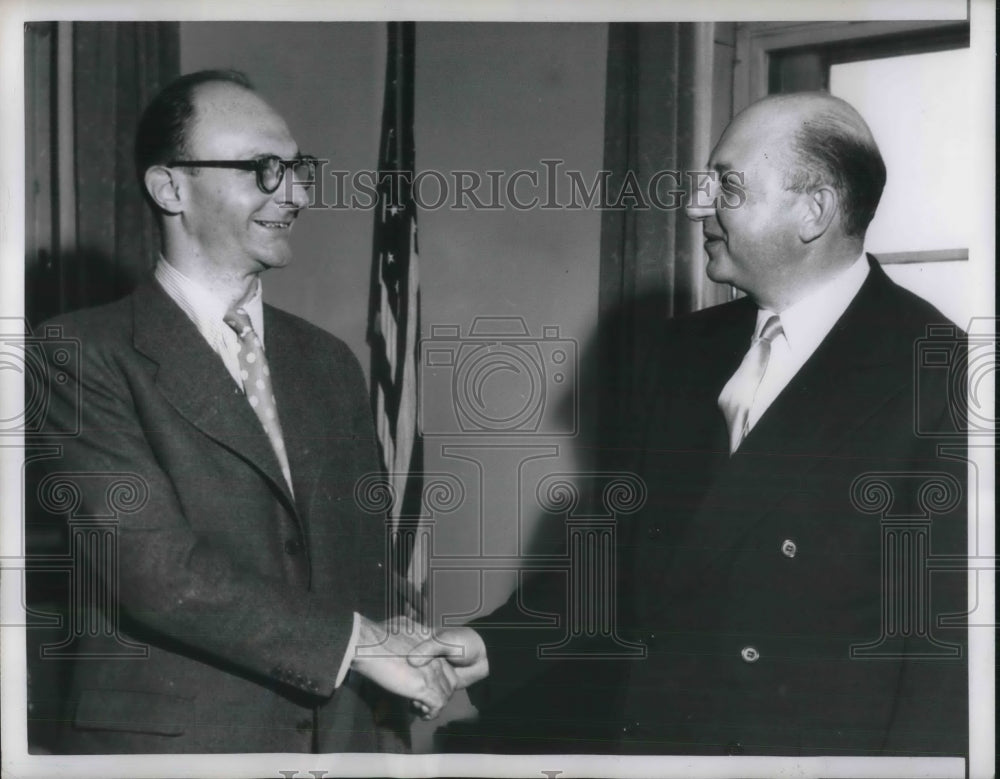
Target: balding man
x: 777, y: 574
x: 245, y: 568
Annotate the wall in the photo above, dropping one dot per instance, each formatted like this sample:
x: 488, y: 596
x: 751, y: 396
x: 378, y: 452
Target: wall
x: 488, y: 97
x: 504, y: 97
x: 326, y: 80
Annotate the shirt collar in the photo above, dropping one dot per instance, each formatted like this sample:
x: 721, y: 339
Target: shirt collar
x: 254, y: 306
x: 808, y: 321
x: 202, y: 307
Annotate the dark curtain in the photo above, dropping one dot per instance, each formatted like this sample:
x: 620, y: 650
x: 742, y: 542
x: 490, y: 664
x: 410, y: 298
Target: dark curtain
x: 89, y: 238
x: 658, y: 117
x: 41, y: 228
x: 117, y: 67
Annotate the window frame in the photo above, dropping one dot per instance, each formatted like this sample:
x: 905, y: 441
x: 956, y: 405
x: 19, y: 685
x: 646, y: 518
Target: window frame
x: 760, y: 46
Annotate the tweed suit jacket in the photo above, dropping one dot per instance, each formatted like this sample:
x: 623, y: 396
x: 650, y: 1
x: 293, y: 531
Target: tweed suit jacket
x: 762, y: 585
x: 242, y: 591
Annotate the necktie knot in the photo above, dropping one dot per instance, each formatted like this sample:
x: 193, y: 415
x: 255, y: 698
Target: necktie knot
x: 738, y: 395
x: 771, y: 330
x: 239, y: 321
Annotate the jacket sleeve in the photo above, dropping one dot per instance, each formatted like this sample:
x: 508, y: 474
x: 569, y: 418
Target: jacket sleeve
x: 176, y: 587
x: 612, y: 430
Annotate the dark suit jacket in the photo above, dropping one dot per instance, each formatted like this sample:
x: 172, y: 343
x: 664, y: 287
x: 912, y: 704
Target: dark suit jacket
x: 749, y: 578
x: 243, y: 593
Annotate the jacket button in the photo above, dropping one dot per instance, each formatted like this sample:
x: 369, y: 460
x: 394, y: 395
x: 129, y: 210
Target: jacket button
x: 749, y: 654
x: 789, y: 548
x: 292, y: 546
x: 734, y: 748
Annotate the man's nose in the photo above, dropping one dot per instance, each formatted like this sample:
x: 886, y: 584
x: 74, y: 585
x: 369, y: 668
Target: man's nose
x: 701, y: 205
x: 699, y: 212
x: 701, y: 199
x: 293, y: 193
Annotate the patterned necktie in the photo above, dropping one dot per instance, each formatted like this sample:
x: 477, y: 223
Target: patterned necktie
x: 738, y: 395
x: 257, y: 384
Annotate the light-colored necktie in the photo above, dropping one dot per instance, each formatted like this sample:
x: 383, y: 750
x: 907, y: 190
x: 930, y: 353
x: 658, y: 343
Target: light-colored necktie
x: 738, y: 395
x: 257, y: 384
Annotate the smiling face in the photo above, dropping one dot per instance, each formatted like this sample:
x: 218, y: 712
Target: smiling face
x: 755, y: 246
x: 228, y: 225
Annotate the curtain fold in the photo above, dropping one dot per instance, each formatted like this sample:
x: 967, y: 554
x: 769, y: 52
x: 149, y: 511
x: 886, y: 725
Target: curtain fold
x: 89, y: 237
x: 40, y: 170
x: 658, y: 117
x: 118, y: 68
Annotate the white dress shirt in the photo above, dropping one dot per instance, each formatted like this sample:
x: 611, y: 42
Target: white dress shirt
x: 208, y: 312
x: 804, y: 324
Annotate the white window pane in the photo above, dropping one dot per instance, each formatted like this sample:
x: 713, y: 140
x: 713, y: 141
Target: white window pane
x: 918, y: 108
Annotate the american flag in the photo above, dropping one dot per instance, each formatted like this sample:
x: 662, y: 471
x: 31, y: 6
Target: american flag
x: 394, y: 309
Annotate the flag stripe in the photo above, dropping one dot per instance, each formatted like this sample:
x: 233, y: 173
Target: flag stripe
x: 394, y: 308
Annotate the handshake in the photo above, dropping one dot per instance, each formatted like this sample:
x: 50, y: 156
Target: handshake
x: 415, y: 662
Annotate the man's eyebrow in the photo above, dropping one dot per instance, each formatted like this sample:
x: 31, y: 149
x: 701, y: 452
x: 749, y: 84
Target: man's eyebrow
x: 259, y: 154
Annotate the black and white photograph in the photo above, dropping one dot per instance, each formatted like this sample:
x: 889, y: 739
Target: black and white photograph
x: 514, y: 390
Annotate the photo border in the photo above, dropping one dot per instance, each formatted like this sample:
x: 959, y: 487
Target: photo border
x: 16, y: 762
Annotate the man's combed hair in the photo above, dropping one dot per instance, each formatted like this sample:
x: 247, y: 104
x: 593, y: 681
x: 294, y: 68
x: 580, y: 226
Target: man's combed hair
x: 163, y: 129
x: 829, y: 150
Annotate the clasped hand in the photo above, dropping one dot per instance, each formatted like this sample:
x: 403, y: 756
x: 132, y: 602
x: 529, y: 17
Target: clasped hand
x: 425, y: 666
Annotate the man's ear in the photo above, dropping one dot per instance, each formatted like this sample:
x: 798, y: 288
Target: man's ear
x: 163, y: 189
x: 821, y: 207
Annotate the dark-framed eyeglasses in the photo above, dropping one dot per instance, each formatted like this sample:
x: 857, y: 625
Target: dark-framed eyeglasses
x: 270, y: 170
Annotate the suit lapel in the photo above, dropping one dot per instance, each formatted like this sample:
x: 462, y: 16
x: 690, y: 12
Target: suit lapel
x: 854, y: 371
x: 295, y: 375
x: 194, y: 380
x: 696, y: 375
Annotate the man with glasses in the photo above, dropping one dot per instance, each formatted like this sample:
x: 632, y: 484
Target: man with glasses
x: 246, y: 570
